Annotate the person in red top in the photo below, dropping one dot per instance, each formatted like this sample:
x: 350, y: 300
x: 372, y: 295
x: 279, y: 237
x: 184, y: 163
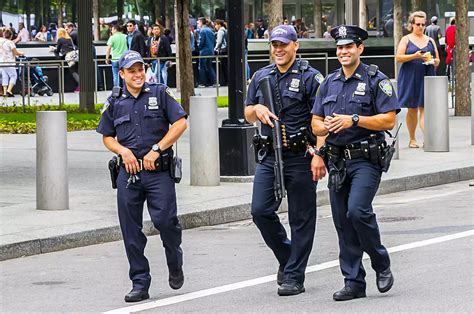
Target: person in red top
x: 450, y: 40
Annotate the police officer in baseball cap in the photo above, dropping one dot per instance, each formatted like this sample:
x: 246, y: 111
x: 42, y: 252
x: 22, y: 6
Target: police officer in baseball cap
x: 297, y: 83
x: 141, y: 124
x: 354, y: 105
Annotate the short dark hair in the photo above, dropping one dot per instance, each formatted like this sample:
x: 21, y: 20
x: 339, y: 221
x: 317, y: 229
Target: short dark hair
x: 203, y: 20
x: 133, y: 22
x: 117, y: 27
x: 7, y: 33
x: 70, y: 25
x: 220, y: 22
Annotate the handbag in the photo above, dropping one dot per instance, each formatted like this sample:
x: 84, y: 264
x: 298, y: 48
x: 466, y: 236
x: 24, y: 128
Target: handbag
x: 72, y: 56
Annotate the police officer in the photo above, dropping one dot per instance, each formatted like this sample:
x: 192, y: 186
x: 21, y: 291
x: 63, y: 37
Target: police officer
x: 297, y: 84
x: 136, y: 125
x: 354, y: 106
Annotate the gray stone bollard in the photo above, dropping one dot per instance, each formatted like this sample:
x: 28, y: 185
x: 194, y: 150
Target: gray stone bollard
x: 472, y: 107
x: 436, y: 135
x: 52, y: 188
x: 204, y: 141
x: 396, y: 155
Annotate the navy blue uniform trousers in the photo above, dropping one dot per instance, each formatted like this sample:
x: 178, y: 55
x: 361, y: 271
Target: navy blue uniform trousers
x: 301, y: 191
x: 157, y: 188
x: 356, y: 224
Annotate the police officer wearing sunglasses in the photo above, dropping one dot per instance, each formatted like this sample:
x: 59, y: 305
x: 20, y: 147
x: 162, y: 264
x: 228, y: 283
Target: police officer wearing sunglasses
x: 354, y: 106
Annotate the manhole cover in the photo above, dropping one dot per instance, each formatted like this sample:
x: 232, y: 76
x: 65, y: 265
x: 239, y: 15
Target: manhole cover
x: 397, y: 219
x: 48, y: 283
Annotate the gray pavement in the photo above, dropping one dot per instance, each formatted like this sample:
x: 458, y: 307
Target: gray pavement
x: 229, y: 269
x: 92, y: 216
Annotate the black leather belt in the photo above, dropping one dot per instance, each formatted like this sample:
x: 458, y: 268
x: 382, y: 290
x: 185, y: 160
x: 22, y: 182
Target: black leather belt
x: 161, y: 164
x: 352, y: 151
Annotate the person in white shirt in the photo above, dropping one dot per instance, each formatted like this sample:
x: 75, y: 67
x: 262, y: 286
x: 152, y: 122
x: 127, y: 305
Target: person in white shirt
x: 42, y: 35
x: 8, y: 52
x: 23, y: 34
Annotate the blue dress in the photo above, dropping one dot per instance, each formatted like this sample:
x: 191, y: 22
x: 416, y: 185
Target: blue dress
x: 412, y: 76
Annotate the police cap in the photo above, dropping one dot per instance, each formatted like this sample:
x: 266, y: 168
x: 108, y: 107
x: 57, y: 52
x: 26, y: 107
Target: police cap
x: 347, y: 34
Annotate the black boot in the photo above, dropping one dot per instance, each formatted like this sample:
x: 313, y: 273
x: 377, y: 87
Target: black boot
x: 176, y: 279
x: 290, y: 287
x: 136, y: 295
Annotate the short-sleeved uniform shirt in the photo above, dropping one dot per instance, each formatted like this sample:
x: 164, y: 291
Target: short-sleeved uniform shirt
x: 140, y: 122
x: 359, y: 94
x: 297, y: 89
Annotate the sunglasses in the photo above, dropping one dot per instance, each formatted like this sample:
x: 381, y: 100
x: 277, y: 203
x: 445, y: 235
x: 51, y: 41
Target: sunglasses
x: 132, y: 25
x: 420, y: 24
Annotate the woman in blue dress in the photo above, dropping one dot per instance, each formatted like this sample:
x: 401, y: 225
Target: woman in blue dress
x: 419, y: 57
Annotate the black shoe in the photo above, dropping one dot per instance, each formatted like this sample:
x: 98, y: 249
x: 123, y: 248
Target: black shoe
x: 290, y: 287
x: 385, y: 280
x: 280, y: 275
x: 347, y: 293
x: 136, y: 296
x: 176, y: 279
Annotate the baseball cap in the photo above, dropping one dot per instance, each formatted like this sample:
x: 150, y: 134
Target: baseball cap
x: 283, y: 33
x: 129, y: 58
x: 434, y: 19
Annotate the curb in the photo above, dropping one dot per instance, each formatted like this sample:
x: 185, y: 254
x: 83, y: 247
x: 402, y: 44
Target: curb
x: 216, y: 216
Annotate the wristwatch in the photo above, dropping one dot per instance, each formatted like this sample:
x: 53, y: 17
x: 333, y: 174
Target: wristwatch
x: 156, y: 148
x: 355, y: 119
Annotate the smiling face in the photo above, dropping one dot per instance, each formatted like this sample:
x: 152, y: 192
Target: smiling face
x: 348, y: 55
x: 134, y: 77
x: 284, y: 54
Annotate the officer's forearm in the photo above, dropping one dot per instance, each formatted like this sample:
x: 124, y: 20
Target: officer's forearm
x: 317, y: 125
x: 173, y: 134
x: 111, y: 143
x: 321, y: 141
x: 379, y: 122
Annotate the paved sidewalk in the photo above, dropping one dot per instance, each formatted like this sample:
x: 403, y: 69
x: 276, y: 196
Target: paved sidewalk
x: 92, y: 217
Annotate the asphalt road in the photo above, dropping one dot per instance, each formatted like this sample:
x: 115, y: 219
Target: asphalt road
x: 228, y: 268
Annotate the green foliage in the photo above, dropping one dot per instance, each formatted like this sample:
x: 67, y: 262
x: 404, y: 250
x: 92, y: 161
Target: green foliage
x: 23, y: 120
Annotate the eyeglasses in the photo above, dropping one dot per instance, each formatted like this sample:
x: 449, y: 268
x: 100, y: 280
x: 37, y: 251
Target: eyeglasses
x: 420, y: 24
x: 130, y: 25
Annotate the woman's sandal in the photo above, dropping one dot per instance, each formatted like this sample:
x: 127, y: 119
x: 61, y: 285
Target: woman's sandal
x: 413, y: 145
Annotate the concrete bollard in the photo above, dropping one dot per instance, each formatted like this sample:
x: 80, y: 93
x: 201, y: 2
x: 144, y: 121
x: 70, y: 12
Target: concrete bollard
x: 396, y: 155
x: 52, y: 188
x: 472, y: 108
x: 204, y: 141
x: 436, y: 135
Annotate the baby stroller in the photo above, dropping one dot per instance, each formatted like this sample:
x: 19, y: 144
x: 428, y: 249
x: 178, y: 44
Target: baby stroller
x: 38, y: 81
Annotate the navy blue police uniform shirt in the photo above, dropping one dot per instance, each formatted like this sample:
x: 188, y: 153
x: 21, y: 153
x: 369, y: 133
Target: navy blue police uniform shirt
x: 359, y: 94
x: 140, y: 122
x: 298, y: 92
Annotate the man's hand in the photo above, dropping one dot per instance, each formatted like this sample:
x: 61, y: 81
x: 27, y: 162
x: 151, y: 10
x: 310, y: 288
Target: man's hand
x: 337, y: 122
x: 130, y: 161
x: 149, y: 160
x: 265, y: 115
x: 318, y: 168
x: 107, y: 60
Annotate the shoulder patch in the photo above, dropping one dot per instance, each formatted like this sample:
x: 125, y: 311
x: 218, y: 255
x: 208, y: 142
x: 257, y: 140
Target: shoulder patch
x: 169, y: 92
x: 319, y: 78
x: 386, y: 87
x: 106, y: 105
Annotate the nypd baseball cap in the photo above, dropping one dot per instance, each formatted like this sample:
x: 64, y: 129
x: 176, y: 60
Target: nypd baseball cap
x: 129, y: 58
x: 347, y: 34
x: 283, y: 33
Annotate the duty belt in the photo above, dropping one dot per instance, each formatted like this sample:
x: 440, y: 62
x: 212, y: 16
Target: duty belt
x: 352, y: 151
x: 162, y: 163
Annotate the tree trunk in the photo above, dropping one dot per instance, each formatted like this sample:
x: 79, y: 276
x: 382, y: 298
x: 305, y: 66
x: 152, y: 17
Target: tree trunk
x: 95, y: 14
x: 120, y: 11
x: 275, y: 16
x: 363, y: 14
x: 38, y: 14
x: 463, y: 73
x: 318, y: 12
x: 186, y: 77
x: 60, y: 13
x: 415, y: 5
x: 168, y: 18
x: 156, y: 10
x: 177, y: 44
x: 397, y: 29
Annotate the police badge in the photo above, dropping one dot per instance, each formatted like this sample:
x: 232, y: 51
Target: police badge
x: 152, y: 103
x: 295, y: 85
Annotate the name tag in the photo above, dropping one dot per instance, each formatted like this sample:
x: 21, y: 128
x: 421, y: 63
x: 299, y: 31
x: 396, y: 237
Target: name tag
x: 359, y: 93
